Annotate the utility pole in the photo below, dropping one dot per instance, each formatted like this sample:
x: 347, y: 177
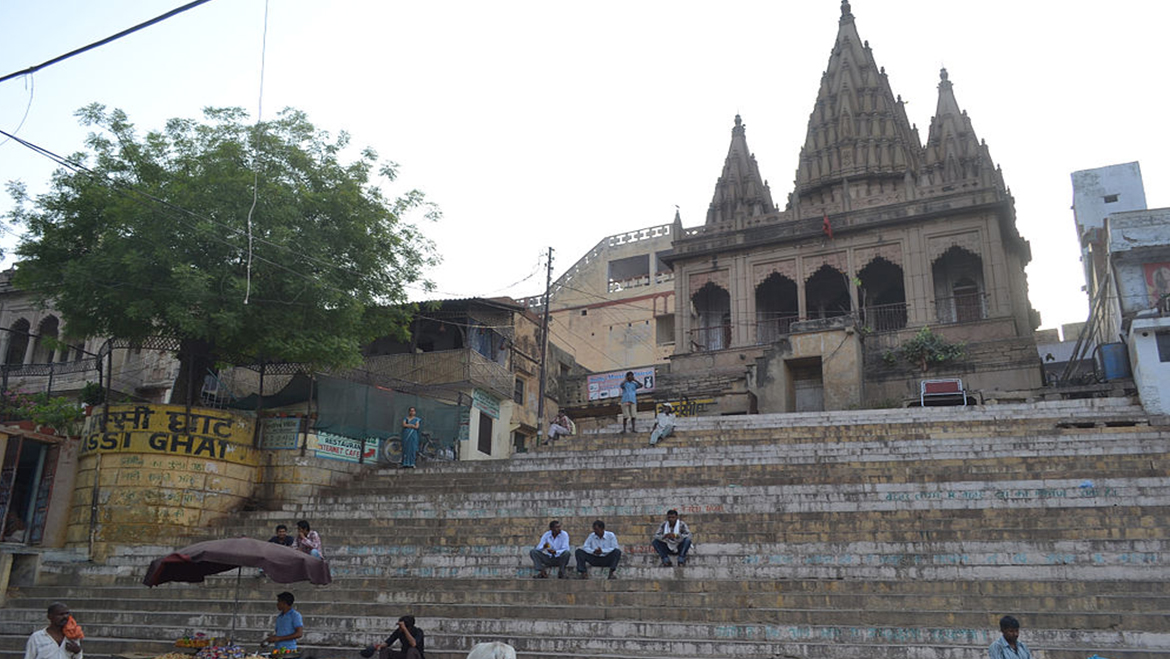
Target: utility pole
x: 544, y: 350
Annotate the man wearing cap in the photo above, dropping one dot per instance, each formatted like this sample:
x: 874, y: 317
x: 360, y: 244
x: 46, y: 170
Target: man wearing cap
x: 663, y: 425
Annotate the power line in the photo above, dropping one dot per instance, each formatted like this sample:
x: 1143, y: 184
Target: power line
x: 96, y: 44
x: 31, y: 89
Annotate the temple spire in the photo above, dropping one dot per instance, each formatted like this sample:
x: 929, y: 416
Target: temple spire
x: 953, y: 152
x: 859, y: 142
x: 740, y: 192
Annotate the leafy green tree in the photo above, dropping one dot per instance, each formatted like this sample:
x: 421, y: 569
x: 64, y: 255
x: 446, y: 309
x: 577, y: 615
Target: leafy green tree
x: 150, y: 237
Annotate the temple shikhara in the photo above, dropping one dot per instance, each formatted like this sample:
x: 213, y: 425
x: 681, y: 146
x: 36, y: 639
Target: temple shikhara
x: 803, y: 306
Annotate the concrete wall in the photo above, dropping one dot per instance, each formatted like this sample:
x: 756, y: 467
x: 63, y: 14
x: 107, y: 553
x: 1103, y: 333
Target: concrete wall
x: 158, y: 474
x: 1091, y: 188
x: 1151, y: 375
x: 837, y: 350
x: 1136, y: 239
x: 610, y: 323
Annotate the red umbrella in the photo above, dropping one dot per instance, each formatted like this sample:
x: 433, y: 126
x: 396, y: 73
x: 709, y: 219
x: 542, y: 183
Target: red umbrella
x: 281, y: 564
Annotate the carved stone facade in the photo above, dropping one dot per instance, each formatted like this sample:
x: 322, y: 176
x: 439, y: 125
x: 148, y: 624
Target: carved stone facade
x: 881, y: 236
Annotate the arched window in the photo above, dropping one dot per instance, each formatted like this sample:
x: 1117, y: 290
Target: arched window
x: 883, y: 296
x: 711, y: 326
x: 777, y: 307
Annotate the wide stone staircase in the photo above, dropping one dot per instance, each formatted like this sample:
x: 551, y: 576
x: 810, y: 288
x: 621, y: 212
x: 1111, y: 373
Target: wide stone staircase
x: 871, y: 534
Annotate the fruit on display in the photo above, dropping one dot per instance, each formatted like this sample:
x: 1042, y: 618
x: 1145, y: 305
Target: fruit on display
x: 197, y: 640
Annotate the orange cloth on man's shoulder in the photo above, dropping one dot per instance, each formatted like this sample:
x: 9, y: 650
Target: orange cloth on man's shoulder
x: 73, y: 630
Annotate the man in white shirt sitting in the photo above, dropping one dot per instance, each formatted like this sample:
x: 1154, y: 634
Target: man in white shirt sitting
x: 50, y: 642
x: 672, y: 537
x: 600, y: 549
x: 551, y: 551
x: 663, y: 425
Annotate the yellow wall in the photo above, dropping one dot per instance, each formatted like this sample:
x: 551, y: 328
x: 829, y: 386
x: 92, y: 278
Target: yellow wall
x: 160, y: 474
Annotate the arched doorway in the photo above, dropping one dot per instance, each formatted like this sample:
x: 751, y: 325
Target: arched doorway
x: 826, y: 294
x: 777, y: 307
x: 17, y: 343
x: 711, y: 327
x: 46, y: 340
x: 959, y: 295
x: 883, y: 296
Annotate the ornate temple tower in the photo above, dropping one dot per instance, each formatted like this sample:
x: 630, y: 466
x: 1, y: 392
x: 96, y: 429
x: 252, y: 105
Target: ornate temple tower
x: 881, y: 237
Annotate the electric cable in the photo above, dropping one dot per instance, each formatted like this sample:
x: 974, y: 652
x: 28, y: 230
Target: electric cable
x: 109, y: 39
x: 31, y: 84
x: 256, y: 155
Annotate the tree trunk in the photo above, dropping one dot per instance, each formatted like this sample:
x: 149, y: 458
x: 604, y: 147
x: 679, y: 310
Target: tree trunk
x: 195, y: 362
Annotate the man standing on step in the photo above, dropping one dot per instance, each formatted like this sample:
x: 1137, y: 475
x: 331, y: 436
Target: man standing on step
x: 551, y: 551
x: 600, y: 549
x: 50, y: 642
x: 630, y: 389
x: 1009, y: 646
x: 411, y: 638
x: 672, y: 537
x: 289, y: 624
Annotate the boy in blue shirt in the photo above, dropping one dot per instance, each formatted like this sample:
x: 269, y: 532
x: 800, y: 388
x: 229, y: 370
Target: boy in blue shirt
x: 289, y: 624
x: 630, y: 389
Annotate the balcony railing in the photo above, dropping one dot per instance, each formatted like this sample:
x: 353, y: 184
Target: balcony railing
x: 884, y: 317
x: 770, y: 327
x: 449, y: 367
x: 711, y: 338
x: 960, y: 308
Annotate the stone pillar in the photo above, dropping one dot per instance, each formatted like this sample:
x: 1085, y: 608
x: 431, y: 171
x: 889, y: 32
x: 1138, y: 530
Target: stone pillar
x: 30, y: 348
x: 5, y: 343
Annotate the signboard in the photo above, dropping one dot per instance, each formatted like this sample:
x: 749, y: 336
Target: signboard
x: 1157, y: 282
x: 280, y: 432
x: 336, y: 447
x: 602, y: 386
x: 172, y: 430
x: 485, y: 402
x: 687, y: 407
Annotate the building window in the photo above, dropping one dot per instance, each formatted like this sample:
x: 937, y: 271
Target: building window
x: 629, y: 272
x: 1163, y: 341
x: 664, y: 328
x: 1110, y: 198
x: 518, y: 392
x: 485, y: 434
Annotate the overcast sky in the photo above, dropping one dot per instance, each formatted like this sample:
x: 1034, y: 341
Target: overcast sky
x: 537, y: 124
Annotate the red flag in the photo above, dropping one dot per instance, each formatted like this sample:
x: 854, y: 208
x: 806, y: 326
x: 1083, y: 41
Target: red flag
x: 827, y: 228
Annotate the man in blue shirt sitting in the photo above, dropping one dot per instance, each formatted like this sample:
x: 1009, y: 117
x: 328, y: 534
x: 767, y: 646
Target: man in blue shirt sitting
x: 1009, y: 646
x: 289, y: 624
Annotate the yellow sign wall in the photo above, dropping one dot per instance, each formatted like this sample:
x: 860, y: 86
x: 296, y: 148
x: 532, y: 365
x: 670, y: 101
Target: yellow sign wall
x: 172, y: 430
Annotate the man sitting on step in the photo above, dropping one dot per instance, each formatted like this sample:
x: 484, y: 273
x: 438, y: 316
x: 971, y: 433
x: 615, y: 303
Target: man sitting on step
x: 1009, y: 646
x: 411, y: 638
x: 663, y: 425
x: 551, y: 551
x: 600, y: 549
x: 672, y: 537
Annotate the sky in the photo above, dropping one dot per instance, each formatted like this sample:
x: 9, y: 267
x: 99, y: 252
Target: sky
x: 540, y: 124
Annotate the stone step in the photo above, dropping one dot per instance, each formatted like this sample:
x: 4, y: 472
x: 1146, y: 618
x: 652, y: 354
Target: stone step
x: 610, y: 472
x: 588, y: 638
x: 1090, y: 554
x: 222, y: 587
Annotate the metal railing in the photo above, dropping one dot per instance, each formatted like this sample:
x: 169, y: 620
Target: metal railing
x: 960, y: 308
x: 711, y: 338
x: 771, y: 327
x: 884, y: 317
